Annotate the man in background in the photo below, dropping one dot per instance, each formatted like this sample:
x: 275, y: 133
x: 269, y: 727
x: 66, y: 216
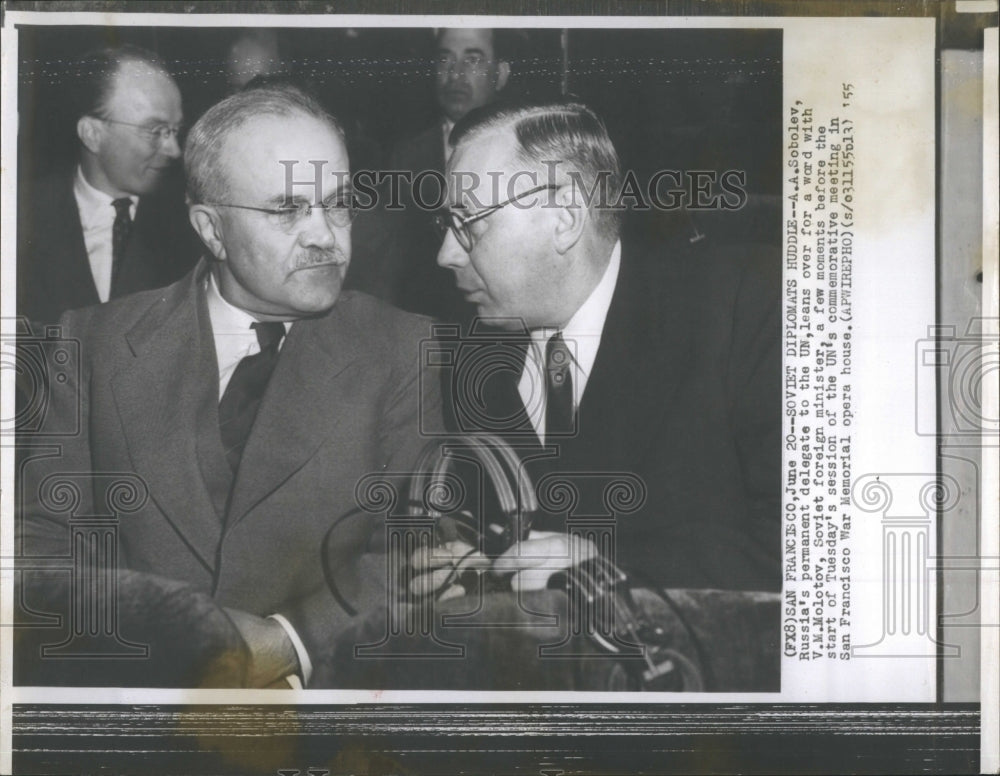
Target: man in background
x: 471, y: 69
x: 113, y: 224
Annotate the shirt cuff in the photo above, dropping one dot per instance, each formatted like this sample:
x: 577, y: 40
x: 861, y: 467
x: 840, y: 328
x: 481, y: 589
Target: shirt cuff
x: 305, y: 664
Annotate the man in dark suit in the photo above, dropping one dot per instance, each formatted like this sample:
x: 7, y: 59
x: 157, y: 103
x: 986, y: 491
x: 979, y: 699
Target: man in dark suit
x: 116, y: 222
x: 471, y: 70
x: 252, y: 395
x: 665, y: 369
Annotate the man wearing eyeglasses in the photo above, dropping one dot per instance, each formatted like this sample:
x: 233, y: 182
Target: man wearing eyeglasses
x: 664, y: 369
x: 115, y: 224
x: 252, y: 395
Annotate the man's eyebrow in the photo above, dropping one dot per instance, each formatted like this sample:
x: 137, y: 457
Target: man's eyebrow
x: 339, y: 194
x: 468, y: 51
x: 159, y: 121
x: 280, y: 200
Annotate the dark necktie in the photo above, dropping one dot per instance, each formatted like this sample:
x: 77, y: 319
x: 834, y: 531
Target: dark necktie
x: 119, y: 239
x: 239, y: 404
x: 559, y: 387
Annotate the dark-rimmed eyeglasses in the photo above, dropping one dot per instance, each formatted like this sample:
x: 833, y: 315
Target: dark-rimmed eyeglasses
x: 154, y: 133
x: 459, y: 224
x: 289, y: 217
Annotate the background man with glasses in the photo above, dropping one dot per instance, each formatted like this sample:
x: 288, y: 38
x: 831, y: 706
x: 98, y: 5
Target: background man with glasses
x: 662, y: 367
x: 252, y: 395
x: 115, y: 223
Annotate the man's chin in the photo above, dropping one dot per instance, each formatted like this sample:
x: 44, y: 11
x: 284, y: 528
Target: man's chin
x: 152, y: 180
x: 455, y: 109
x: 314, y: 308
x: 497, y: 319
x: 321, y: 290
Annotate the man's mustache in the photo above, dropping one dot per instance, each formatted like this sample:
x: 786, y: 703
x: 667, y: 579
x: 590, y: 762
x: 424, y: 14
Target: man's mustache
x: 315, y: 257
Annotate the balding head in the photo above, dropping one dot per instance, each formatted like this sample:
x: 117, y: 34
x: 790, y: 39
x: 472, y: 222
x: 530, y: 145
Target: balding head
x: 130, y: 117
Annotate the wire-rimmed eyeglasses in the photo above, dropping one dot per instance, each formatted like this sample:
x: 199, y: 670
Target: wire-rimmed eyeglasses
x: 459, y: 224
x: 338, y: 213
x: 154, y: 133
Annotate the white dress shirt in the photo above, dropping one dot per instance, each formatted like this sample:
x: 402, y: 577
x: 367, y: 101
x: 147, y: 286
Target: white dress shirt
x: 97, y: 217
x: 582, y: 335
x: 234, y: 341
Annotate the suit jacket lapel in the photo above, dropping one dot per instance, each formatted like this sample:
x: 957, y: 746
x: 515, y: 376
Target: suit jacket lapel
x: 500, y: 393
x: 638, y: 368
x: 215, y: 470
x: 300, y: 408
x: 161, y: 398
x: 68, y: 267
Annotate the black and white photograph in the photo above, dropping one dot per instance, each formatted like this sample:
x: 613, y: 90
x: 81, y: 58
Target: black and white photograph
x: 581, y: 376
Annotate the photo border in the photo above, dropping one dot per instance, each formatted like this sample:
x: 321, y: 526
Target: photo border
x: 551, y: 737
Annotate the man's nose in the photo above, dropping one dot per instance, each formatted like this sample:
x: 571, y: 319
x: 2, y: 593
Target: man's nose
x: 452, y: 255
x: 170, y: 147
x: 317, y: 232
x: 457, y: 72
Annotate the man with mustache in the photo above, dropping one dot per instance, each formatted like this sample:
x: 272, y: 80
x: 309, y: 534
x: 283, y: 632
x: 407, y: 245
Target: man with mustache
x: 471, y: 69
x: 252, y: 395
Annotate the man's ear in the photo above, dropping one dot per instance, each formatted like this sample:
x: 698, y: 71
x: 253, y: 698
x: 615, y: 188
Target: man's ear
x: 572, y: 216
x: 205, y: 220
x: 503, y: 74
x: 90, y: 133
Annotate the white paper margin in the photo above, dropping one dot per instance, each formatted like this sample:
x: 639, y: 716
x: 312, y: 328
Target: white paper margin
x: 896, y: 222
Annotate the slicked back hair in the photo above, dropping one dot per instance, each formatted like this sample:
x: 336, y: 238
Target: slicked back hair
x: 206, y: 179
x: 568, y: 133
x: 97, y: 70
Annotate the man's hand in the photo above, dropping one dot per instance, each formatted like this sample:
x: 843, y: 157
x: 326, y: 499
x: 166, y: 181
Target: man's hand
x: 272, y: 653
x: 440, y: 568
x: 530, y: 563
x: 544, y: 553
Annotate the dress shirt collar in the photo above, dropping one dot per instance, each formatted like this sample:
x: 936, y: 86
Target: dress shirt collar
x: 582, y: 333
x: 225, y: 317
x: 234, y: 339
x: 96, y: 208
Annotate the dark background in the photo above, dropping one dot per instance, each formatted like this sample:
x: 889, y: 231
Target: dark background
x: 693, y: 99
